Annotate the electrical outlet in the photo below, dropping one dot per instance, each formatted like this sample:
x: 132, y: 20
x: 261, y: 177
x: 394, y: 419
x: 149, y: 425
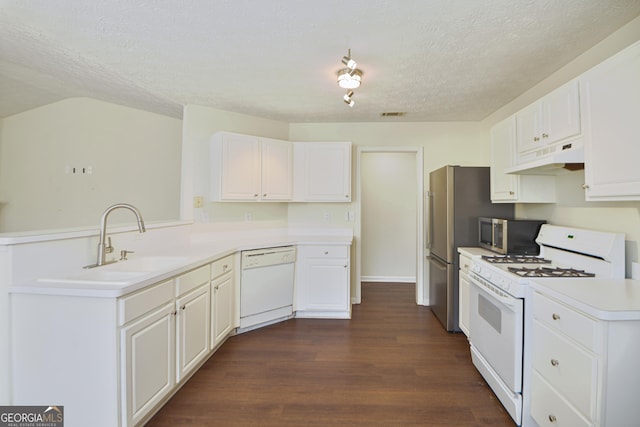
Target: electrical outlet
x: 198, y: 202
x: 326, y: 216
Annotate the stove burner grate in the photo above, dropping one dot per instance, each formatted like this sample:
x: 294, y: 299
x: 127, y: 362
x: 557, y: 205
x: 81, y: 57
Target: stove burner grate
x: 549, y: 272
x: 515, y: 259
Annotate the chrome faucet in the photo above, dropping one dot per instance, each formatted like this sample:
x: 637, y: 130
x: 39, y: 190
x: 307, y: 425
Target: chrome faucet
x: 103, y: 248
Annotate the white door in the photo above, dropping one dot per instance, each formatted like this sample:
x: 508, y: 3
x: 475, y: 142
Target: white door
x: 389, y: 216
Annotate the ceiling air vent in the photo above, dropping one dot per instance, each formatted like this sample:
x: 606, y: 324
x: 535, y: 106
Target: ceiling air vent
x: 394, y: 114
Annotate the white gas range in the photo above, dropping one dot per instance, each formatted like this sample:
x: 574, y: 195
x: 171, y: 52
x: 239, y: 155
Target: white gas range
x: 500, y: 306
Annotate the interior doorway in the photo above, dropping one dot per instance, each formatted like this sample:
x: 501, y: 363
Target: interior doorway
x: 390, y: 227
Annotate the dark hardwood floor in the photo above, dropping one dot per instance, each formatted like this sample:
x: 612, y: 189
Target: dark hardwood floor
x: 392, y: 364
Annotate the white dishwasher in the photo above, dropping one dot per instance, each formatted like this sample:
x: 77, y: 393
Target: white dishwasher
x: 266, y: 286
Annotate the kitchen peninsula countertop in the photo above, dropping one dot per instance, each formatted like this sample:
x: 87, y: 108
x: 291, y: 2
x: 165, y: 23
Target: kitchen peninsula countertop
x: 604, y: 299
x: 201, y: 251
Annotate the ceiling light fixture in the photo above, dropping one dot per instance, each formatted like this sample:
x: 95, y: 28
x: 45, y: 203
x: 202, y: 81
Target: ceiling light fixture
x: 349, y: 78
x: 350, y: 63
x: 347, y: 99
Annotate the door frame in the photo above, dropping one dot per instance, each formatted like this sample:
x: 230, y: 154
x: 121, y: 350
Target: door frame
x: 420, y: 240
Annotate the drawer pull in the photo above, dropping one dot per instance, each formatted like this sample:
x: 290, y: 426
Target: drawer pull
x: 555, y: 316
x: 326, y: 252
x: 552, y: 418
x: 554, y: 362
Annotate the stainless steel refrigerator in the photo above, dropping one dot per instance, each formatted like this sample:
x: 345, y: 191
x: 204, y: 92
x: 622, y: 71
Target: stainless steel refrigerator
x: 457, y: 196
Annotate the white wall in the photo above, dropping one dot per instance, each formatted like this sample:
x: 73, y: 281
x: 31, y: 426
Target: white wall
x: 571, y: 208
x: 134, y: 156
x: 199, y: 123
x: 389, y: 215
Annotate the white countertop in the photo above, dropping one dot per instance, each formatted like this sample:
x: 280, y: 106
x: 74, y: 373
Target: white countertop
x: 197, y: 254
x: 476, y: 252
x: 605, y: 299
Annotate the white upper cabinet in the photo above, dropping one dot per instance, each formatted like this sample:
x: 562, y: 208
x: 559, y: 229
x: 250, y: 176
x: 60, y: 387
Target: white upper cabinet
x: 249, y: 168
x: 511, y: 188
x: 550, y: 124
x: 277, y: 169
x: 611, y: 103
x: 322, y: 171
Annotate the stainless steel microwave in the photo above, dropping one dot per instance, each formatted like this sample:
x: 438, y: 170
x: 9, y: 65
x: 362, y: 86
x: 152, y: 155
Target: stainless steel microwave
x: 509, y: 236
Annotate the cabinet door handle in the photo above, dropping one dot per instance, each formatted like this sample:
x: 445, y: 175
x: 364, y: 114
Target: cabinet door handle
x: 264, y: 195
x: 545, y: 135
x: 346, y: 195
x: 255, y: 195
x: 585, y: 187
x: 184, y: 307
x: 554, y: 362
x: 326, y: 252
x: 345, y: 266
x: 175, y: 312
x: 555, y: 316
x: 536, y: 139
x: 552, y: 418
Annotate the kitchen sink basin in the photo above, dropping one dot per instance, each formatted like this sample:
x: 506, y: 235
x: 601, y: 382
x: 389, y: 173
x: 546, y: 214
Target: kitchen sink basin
x: 121, y: 272
x: 99, y: 277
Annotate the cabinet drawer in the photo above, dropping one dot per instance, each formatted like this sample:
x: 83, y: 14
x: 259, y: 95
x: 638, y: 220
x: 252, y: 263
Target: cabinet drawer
x: 465, y: 263
x: 324, y: 251
x: 566, y: 367
x: 221, y: 266
x: 567, y: 321
x: 548, y: 407
x: 144, y: 301
x: 192, y: 280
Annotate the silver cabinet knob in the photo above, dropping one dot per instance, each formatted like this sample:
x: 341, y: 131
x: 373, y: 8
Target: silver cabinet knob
x: 545, y: 135
x: 554, y: 362
x: 555, y: 316
x: 552, y: 418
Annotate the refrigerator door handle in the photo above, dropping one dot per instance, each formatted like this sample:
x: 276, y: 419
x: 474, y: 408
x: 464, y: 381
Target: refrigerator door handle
x: 428, y: 195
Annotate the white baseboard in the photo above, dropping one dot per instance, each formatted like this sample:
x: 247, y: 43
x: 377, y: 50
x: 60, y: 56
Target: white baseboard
x: 389, y: 279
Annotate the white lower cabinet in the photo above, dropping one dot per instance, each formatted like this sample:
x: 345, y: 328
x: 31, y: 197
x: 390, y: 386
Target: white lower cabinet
x: 192, y: 319
x: 222, y: 297
x: 463, y: 294
x: 323, y: 286
x: 192, y: 329
x: 148, y: 361
x: 583, y: 371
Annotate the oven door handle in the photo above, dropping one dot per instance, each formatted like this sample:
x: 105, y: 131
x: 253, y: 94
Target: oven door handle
x: 507, y: 301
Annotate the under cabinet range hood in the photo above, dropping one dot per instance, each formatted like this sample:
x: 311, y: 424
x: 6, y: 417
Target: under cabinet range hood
x: 550, y: 160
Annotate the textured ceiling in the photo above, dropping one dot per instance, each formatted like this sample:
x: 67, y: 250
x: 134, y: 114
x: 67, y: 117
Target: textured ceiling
x: 434, y: 59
